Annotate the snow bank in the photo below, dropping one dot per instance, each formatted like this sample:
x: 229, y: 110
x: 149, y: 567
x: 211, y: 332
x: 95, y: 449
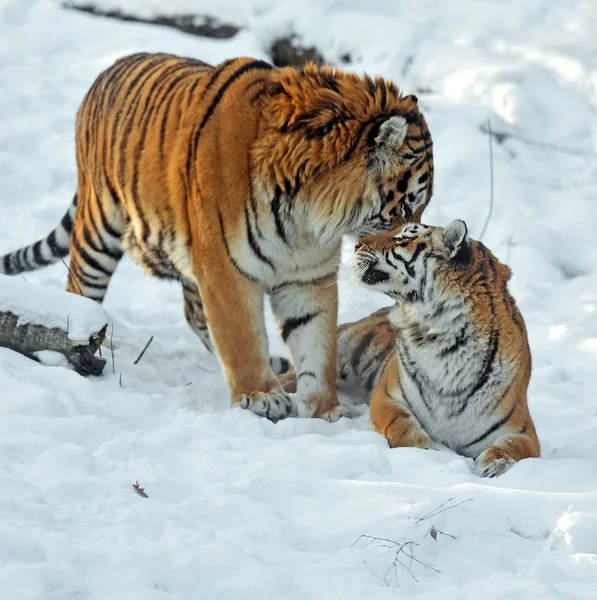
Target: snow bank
x: 39, y: 305
x: 239, y: 507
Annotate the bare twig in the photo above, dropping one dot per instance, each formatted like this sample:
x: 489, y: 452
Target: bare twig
x: 413, y: 557
x: 440, y: 509
x: 437, y: 508
x: 397, y: 561
x: 434, y: 531
x: 112, y: 349
x: 490, y: 211
x: 144, y: 350
x: 502, y: 136
x: 120, y: 380
x: 402, y: 547
x: 139, y: 490
x: 373, y: 538
x: 70, y: 271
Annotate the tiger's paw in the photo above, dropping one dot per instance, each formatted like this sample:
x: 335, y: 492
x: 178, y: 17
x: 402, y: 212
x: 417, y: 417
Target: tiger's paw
x: 313, y: 408
x: 492, y: 464
x: 336, y: 413
x: 274, y: 405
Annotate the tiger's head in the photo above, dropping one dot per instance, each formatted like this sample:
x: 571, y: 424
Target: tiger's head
x: 418, y: 264
x: 358, y: 150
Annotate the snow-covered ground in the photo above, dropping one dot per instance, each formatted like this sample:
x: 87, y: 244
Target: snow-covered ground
x: 239, y: 507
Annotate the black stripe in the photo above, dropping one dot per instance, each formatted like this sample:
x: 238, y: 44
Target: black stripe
x: 241, y: 271
x: 107, y: 227
x: 165, y: 117
x: 116, y: 200
x: 253, y: 242
x: 362, y: 346
x: 307, y: 374
x: 293, y: 323
x: 40, y: 261
x: 253, y: 206
x: 217, y: 71
x: 92, y: 286
x: 22, y: 255
x: 402, y: 184
x: 120, y: 72
x: 411, y: 370
x: 54, y: 247
x: 127, y: 93
x: 316, y: 281
x: 67, y: 222
x: 256, y: 64
x: 275, y: 207
x: 90, y: 260
x: 154, y: 102
x: 8, y: 267
x: 124, y: 154
x: 90, y: 241
x: 494, y: 427
x: 406, y: 400
x: 214, y: 75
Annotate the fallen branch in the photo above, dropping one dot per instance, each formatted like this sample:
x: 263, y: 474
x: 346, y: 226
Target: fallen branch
x: 193, y: 24
x: 28, y: 339
x: 35, y: 319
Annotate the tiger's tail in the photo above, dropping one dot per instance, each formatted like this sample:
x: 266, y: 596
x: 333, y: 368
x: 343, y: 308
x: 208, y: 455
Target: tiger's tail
x: 44, y: 252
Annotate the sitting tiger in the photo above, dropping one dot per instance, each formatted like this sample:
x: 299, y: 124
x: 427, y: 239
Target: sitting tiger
x: 240, y: 180
x: 450, y: 362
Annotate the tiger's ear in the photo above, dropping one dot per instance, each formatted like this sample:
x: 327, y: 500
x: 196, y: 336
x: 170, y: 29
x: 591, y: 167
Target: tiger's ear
x: 389, y: 138
x: 392, y: 132
x: 457, y: 244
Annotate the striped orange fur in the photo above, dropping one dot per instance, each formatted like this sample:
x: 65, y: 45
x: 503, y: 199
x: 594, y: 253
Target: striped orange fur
x: 240, y: 180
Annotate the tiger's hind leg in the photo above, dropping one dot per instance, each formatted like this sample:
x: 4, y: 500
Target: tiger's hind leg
x: 364, y: 349
x: 95, y: 248
x: 195, y: 314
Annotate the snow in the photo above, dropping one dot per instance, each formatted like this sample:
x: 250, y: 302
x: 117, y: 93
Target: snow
x: 39, y: 305
x: 239, y: 507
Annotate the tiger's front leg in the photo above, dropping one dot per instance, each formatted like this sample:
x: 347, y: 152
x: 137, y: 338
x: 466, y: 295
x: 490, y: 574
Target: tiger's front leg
x: 237, y: 327
x: 307, y: 317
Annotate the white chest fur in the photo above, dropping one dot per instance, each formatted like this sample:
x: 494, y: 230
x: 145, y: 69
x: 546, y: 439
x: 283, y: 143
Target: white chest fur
x: 451, y: 376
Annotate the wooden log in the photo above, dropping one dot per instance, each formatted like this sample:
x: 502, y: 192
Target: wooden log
x: 29, y: 338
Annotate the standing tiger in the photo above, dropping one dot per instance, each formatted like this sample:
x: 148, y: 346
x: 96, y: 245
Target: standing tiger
x: 450, y: 362
x: 239, y: 180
